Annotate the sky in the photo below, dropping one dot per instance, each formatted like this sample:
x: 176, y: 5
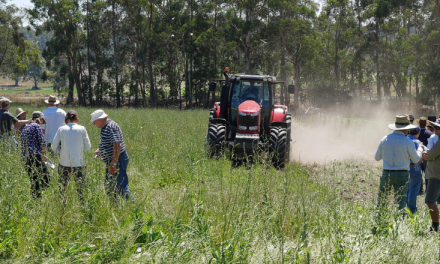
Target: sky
x: 21, y: 3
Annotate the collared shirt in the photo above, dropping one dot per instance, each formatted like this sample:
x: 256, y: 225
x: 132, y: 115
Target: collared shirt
x: 74, y: 141
x: 396, y: 150
x: 32, y: 140
x: 54, y: 119
x: 110, y: 134
x: 416, y: 144
x: 7, y: 120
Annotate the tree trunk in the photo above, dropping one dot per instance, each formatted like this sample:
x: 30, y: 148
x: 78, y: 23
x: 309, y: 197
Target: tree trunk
x: 283, y: 77
x: 16, y: 81
x: 338, y: 85
x: 376, y: 59
x: 417, y: 90
x: 115, y: 60
x: 298, y: 86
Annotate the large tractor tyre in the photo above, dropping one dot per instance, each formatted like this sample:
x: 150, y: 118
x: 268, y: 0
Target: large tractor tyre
x: 278, y: 146
x: 289, y: 130
x: 215, y: 139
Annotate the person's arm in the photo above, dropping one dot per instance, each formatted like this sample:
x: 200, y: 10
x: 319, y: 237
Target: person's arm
x: 434, y: 152
x: 56, y: 140
x: 87, y: 145
x: 20, y: 123
x: 115, y: 158
x: 378, y: 155
x: 415, y: 155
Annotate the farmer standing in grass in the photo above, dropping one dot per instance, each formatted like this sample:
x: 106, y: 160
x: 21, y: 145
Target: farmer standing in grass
x: 415, y: 173
x: 112, y: 151
x: 8, y: 121
x: 423, y: 122
x: 54, y: 119
x: 33, y: 146
x: 396, y: 150
x: 433, y: 176
x: 74, y: 140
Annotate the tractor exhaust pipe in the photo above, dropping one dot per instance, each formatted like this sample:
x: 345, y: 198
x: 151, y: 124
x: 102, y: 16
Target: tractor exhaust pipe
x: 224, y: 96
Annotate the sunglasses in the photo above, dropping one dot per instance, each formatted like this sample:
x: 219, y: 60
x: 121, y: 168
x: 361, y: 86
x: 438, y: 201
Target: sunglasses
x: 411, y: 120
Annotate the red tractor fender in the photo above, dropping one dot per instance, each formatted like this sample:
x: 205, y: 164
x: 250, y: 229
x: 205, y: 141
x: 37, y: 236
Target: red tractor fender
x: 279, y: 113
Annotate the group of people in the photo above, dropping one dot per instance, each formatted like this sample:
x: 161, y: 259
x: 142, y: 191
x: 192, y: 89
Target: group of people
x: 406, y: 153
x: 55, y: 132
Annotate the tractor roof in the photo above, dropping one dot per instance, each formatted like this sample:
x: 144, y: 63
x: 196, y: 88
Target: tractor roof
x: 252, y: 76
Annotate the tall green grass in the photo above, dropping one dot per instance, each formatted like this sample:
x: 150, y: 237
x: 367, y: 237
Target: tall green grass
x: 191, y: 209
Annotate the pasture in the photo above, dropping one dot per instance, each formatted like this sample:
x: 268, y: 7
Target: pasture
x: 192, y: 209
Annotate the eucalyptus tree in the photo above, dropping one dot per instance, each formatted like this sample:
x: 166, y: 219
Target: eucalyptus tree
x: 297, y: 37
x: 15, y: 52
x: 63, y: 18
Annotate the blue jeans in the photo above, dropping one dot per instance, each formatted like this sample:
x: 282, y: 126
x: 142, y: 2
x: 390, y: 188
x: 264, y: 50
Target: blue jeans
x: 415, y: 180
x: 118, y: 183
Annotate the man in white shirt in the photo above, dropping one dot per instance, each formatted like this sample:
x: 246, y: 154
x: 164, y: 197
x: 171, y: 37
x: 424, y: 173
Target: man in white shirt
x: 54, y: 119
x: 396, y: 151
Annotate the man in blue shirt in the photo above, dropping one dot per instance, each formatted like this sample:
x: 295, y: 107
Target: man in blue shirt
x: 423, y: 122
x: 396, y: 150
x: 415, y: 174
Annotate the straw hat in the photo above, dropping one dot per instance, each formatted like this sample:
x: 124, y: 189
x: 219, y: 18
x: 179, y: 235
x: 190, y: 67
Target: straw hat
x: 98, y: 114
x: 20, y: 111
x: 423, y: 119
x: 52, y: 100
x: 402, y: 123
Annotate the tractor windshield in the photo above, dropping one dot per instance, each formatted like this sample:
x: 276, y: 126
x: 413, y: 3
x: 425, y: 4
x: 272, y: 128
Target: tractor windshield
x: 248, y: 90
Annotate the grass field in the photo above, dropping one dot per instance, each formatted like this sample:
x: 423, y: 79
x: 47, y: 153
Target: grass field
x: 191, y: 209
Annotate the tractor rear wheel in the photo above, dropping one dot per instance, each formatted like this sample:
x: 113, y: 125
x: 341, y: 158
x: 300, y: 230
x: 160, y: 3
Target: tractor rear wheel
x: 278, y: 146
x: 215, y: 139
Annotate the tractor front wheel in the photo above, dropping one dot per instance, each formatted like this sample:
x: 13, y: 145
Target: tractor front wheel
x: 215, y: 139
x: 278, y: 146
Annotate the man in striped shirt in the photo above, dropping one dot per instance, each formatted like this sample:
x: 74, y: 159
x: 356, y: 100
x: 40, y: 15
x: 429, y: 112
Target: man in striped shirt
x: 112, y: 151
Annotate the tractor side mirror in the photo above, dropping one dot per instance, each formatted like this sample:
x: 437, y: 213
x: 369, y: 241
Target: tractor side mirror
x: 291, y: 88
x: 212, y: 86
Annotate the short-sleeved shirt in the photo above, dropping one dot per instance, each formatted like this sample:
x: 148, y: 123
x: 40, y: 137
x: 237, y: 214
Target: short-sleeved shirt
x: 110, y: 134
x: 397, y: 150
x: 54, y: 119
x: 32, y: 140
x: 7, y: 120
x: 424, y: 135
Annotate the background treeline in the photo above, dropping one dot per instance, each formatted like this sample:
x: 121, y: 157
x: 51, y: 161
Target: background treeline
x: 149, y: 53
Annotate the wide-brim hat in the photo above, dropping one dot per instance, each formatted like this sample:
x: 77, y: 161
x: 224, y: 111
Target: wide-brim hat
x: 20, y: 111
x: 52, y: 100
x: 435, y: 124
x: 6, y: 100
x: 98, y: 114
x: 402, y: 123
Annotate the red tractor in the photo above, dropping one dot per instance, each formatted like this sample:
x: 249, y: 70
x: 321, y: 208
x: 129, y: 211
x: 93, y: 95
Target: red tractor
x: 246, y: 120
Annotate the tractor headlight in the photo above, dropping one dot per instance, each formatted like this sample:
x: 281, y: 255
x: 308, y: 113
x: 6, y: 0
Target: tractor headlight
x: 254, y: 114
x: 238, y: 78
x: 242, y: 114
x: 269, y: 79
x: 253, y: 128
x: 242, y: 127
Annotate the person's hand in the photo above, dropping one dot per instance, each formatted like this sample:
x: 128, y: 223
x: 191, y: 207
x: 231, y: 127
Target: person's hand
x: 112, y: 169
x: 425, y: 155
x: 96, y: 152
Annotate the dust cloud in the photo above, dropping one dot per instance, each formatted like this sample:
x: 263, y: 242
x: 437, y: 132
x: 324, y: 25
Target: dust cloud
x: 319, y: 138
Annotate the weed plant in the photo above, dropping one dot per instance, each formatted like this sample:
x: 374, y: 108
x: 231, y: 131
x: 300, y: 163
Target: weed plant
x: 192, y: 209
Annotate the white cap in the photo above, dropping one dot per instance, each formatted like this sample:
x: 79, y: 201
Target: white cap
x: 98, y: 114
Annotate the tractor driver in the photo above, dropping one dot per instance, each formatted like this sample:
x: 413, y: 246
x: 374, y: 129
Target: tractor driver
x: 252, y: 93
